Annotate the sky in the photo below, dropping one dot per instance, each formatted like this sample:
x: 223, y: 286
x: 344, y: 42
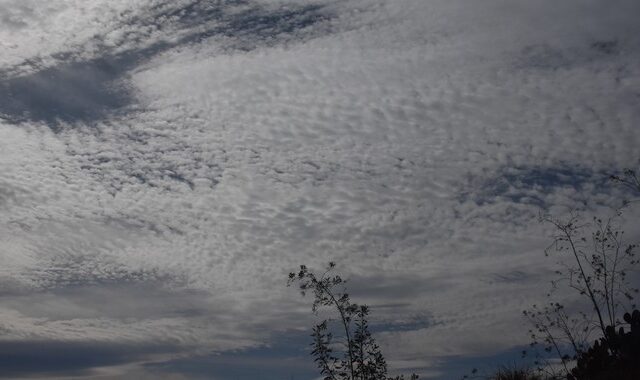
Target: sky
x: 165, y: 164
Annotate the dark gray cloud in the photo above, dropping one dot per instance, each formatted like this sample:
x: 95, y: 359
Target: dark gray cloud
x: 513, y: 276
x: 77, y: 89
x: 545, y: 56
x: 286, y: 357
x: 152, y: 298
x: 28, y: 359
x: 254, y: 25
x: 535, y: 185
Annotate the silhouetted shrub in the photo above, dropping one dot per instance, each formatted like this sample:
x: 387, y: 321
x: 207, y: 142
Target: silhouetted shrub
x: 596, y: 263
x: 614, y: 356
x: 354, y: 353
x: 506, y: 373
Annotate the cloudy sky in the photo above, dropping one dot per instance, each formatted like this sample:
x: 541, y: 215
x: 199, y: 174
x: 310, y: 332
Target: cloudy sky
x: 165, y: 164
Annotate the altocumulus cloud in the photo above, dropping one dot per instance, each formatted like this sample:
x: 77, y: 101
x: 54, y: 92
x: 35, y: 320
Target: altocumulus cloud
x: 166, y: 163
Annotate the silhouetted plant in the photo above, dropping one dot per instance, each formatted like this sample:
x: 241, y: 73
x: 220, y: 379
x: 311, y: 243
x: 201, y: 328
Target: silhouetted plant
x: 507, y: 373
x: 615, y: 356
x: 598, y: 268
x: 353, y: 355
x: 628, y: 178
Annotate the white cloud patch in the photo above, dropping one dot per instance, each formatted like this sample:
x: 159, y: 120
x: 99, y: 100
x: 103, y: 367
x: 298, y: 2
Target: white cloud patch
x: 413, y: 142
